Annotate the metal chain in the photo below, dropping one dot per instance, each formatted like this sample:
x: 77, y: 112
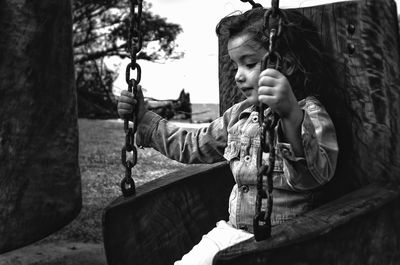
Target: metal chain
x: 253, y: 4
x: 135, y: 43
x: 268, y: 122
x: 275, y: 7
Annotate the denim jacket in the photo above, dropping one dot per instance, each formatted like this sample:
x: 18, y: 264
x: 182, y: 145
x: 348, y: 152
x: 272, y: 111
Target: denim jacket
x: 235, y: 137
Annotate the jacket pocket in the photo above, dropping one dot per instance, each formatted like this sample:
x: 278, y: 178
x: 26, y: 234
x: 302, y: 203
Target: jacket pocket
x: 232, y: 150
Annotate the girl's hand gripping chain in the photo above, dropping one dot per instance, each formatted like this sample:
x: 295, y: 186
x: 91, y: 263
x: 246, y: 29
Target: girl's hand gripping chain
x: 131, y: 108
x: 275, y: 91
x: 128, y: 106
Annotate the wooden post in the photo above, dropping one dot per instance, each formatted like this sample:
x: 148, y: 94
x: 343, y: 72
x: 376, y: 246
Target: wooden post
x: 39, y: 172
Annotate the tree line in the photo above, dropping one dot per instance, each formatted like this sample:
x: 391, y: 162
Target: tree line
x: 100, y: 30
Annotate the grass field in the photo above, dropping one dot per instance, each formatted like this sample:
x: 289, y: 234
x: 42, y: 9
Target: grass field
x: 100, y: 146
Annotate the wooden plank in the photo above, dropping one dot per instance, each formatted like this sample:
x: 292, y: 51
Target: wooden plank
x: 39, y: 172
x: 339, y: 219
x: 167, y: 216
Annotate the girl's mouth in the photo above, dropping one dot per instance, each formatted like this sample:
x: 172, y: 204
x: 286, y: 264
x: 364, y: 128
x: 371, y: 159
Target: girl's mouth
x: 246, y: 89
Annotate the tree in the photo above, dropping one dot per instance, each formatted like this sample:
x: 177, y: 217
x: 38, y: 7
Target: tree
x: 39, y: 170
x: 101, y: 29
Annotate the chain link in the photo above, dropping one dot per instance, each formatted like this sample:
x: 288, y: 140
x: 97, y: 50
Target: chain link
x: 253, y: 4
x: 135, y: 43
x: 275, y: 7
x: 268, y: 122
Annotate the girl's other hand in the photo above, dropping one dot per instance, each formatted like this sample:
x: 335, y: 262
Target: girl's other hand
x: 129, y: 106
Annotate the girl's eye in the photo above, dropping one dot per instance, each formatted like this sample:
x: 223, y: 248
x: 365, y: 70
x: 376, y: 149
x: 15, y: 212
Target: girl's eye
x: 251, y: 65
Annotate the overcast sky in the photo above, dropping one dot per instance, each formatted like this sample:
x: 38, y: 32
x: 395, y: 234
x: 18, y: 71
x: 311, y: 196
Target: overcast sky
x: 197, y: 72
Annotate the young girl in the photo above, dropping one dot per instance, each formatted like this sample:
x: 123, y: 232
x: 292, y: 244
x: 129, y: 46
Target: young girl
x: 306, y: 146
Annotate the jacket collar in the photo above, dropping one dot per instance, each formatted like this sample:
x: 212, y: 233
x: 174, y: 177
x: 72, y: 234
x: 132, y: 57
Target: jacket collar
x: 247, y: 111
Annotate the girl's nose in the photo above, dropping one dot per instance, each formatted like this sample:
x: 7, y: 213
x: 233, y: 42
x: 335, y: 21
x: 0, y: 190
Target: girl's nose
x: 239, y: 77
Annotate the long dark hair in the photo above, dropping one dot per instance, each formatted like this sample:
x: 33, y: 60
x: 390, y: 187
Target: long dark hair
x: 299, y: 45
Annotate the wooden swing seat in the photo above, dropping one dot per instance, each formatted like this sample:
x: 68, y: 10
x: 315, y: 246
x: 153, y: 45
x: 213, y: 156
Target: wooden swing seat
x: 169, y: 215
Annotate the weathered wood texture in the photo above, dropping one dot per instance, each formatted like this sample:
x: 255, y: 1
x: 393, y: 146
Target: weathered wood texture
x: 370, y: 234
x: 39, y: 172
x: 367, y: 116
x: 167, y: 216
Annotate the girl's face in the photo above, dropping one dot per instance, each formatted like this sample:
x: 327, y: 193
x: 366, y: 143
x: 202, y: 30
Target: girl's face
x: 246, y: 55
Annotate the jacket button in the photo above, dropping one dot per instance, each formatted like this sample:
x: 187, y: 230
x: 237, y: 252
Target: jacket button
x: 247, y: 158
x: 255, y: 119
x: 245, y: 188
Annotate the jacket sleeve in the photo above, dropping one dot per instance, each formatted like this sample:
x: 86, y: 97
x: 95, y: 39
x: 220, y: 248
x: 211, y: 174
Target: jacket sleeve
x: 203, y: 145
x: 320, y: 149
